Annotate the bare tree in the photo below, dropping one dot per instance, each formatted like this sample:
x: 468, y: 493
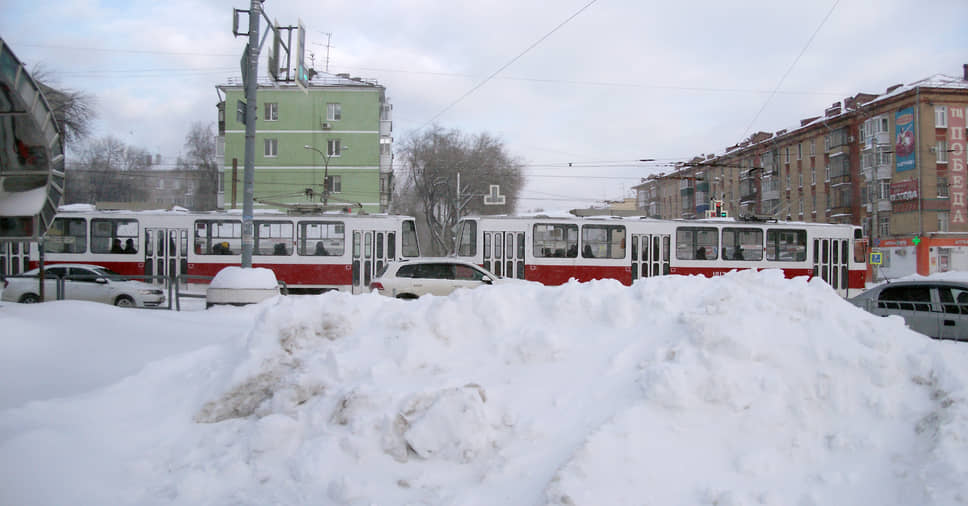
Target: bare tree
x: 73, y: 110
x: 431, y: 163
x: 200, y: 156
x: 101, y: 173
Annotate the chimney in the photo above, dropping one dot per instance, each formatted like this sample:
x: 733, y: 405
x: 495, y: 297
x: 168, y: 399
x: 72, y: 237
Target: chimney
x: 833, y: 110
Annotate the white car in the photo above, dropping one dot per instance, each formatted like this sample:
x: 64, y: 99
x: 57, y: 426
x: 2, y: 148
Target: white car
x: 83, y: 282
x: 410, y: 279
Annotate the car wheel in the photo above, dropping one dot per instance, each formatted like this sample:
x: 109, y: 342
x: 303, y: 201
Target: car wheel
x: 124, y: 301
x: 29, y: 298
x: 406, y: 296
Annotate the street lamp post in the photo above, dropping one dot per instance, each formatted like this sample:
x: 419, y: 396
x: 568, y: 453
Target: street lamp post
x: 325, y: 170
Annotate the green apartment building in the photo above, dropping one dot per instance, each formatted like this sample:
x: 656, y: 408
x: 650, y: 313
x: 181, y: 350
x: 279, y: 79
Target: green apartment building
x: 345, y: 121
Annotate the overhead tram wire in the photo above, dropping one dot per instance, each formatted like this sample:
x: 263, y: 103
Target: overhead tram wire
x: 506, y: 65
x: 790, y: 69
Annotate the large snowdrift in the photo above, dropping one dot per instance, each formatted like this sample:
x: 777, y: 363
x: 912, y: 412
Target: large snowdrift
x: 741, y: 389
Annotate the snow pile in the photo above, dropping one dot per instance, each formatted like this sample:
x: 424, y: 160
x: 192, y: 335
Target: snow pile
x: 741, y: 389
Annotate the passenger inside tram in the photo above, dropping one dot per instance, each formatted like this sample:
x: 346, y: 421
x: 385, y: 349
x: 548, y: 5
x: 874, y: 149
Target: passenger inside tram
x: 129, y: 246
x: 320, y: 249
x: 116, y: 246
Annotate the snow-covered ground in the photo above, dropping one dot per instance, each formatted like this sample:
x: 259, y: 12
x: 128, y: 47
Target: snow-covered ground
x: 737, y: 390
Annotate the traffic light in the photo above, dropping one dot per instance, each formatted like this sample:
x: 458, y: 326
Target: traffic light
x: 720, y: 210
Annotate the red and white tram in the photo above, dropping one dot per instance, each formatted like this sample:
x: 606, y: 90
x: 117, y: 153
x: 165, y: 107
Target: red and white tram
x: 552, y: 250
x: 310, y: 253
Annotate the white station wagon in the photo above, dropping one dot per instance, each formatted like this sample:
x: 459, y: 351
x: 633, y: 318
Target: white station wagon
x: 410, y: 279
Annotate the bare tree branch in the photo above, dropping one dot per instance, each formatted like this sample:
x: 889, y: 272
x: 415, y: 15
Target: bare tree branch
x: 431, y: 161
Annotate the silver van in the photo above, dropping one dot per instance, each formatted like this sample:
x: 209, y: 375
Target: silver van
x: 937, y: 309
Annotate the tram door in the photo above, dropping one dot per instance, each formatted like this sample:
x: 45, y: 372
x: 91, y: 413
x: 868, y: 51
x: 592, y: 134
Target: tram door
x: 14, y: 257
x: 830, y: 262
x: 371, y: 251
x: 166, y: 253
x: 650, y: 255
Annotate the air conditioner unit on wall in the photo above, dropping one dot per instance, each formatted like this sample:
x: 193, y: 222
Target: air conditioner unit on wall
x: 325, y: 126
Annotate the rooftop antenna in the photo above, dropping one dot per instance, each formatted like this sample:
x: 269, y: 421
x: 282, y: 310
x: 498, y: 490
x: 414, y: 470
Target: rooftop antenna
x: 329, y: 38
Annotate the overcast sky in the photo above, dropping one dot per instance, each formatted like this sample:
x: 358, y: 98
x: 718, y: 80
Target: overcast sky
x: 619, y: 81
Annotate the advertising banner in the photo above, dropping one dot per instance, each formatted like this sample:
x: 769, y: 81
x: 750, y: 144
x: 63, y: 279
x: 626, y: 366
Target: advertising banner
x: 904, y: 196
x: 904, y: 144
x: 958, y: 186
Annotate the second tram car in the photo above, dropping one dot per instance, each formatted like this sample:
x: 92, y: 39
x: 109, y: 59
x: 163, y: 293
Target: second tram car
x: 552, y: 250
x: 310, y: 253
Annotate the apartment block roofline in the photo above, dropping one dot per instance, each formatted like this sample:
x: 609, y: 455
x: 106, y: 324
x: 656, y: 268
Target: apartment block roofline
x: 848, y: 106
x: 319, y: 80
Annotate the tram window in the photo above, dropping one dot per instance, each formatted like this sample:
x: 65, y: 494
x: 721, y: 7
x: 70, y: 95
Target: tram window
x: 509, y: 245
x: 391, y: 245
x: 114, y: 236
x: 784, y: 245
x: 521, y: 245
x: 635, y: 252
x: 216, y: 237
x: 498, y: 248
x: 836, y: 253
x: 409, y: 238
x: 487, y: 245
x: 273, y: 238
x: 697, y: 243
x: 379, y: 245
x: 467, y: 239
x: 603, y: 241
x: 321, y: 238
x: 743, y: 244
x: 860, y: 250
x: 825, y: 251
x: 356, y: 245
x: 66, y: 235
x: 555, y: 240
x: 843, y: 251
x: 368, y: 246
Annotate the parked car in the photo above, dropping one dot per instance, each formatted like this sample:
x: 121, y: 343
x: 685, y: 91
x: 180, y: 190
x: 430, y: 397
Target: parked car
x: 409, y: 279
x: 83, y: 282
x: 937, y: 309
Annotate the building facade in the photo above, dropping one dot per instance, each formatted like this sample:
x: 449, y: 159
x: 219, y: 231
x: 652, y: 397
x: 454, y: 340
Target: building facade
x: 893, y: 163
x: 346, y: 124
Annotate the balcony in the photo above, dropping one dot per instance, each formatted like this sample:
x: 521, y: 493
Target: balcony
x: 386, y: 128
x: 883, y: 205
x: 386, y: 163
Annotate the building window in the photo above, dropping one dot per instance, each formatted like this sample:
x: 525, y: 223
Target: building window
x: 334, y: 147
x: 884, y: 187
x: 813, y: 148
x: 826, y: 143
x: 942, y: 187
x: 942, y: 151
x: 884, y: 225
x: 788, y: 154
x: 334, y: 111
x: 272, y: 112
x: 813, y: 176
x: 942, y: 222
x: 800, y: 151
x: 941, y: 116
x: 800, y: 177
x: 272, y: 147
x: 334, y: 184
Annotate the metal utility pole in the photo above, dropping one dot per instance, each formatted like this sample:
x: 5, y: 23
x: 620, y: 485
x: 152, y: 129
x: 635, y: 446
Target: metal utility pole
x: 251, y: 89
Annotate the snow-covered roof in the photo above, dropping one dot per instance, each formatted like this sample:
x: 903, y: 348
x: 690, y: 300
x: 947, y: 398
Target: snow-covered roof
x: 320, y: 79
x: 937, y: 81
